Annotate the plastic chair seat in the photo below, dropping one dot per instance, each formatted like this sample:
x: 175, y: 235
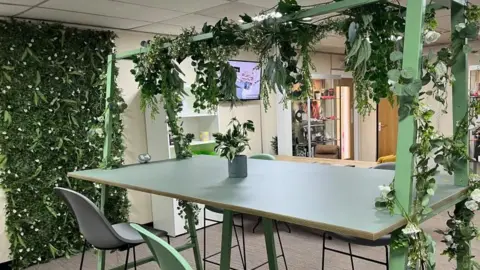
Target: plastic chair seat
x: 132, y: 236
x: 384, y: 241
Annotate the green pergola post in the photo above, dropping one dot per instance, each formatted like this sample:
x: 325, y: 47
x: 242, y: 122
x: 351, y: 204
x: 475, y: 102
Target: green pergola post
x: 460, y: 98
x: 412, y: 54
x: 107, y: 147
x: 460, y: 91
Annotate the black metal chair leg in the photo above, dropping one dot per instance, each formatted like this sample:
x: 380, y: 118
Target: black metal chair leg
x: 323, y: 251
x: 83, y: 253
x: 243, y: 240
x: 256, y: 225
x: 168, y: 239
x: 281, y: 245
x: 351, y: 257
x: 288, y: 227
x: 134, y: 259
x: 239, y: 248
x: 204, y: 238
x: 387, y: 258
x: 126, y: 258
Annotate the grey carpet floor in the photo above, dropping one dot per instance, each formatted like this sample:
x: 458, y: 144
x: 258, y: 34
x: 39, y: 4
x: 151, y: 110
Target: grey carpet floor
x: 303, y: 250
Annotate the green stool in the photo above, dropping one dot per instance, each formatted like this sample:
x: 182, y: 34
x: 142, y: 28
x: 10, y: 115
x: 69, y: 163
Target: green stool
x: 167, y: 257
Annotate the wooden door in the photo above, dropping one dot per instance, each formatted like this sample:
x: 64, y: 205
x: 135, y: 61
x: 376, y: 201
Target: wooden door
x: 387, y: 124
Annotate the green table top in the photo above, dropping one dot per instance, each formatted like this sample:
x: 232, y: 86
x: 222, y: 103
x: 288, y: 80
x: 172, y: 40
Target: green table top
x: 331, y: 198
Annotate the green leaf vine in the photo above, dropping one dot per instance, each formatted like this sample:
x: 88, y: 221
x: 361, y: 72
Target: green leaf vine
x: 446, y: 151
x: 52, y: 94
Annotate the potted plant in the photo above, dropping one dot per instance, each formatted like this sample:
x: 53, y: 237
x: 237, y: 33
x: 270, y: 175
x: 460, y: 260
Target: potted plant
x: 232, y: 144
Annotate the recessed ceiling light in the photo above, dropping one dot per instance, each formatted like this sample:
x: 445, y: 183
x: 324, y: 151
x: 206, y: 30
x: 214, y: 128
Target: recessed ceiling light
x: 307, y: 19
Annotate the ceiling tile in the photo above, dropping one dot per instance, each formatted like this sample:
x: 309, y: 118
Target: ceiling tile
x: 191, y: 20
x: 113, y: 9
x: 178, y: 5
x: 10, y: 10
x: 81, y: 18
x: 160, y: 28
x: 231, y: 10
x: 22, y: 2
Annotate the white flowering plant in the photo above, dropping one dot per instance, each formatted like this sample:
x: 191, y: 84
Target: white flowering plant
x: 48, y: 99
x: 386, y: 200
x: 460, y: 227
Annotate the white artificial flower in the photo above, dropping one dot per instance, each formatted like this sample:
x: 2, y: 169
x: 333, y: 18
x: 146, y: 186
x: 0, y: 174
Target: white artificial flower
x: 471, y: 205
x: 459, y: 27
x: 368, y: 39
x: 36, y: 160
x: 448, y: 238
x: 475, y: 178
x: 384, y: 189
x: 475, y: 195
x: 99, y: 131
x: 8, y: 87
x: 411, y: 229
x: 29, y: 86
x: 431, y: 36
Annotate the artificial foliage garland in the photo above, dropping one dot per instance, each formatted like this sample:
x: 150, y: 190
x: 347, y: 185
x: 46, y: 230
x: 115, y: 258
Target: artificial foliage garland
x: 447, y: 151
x: 52, y: 98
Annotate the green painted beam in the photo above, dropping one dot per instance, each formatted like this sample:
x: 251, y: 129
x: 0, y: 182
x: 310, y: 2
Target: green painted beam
x: 412, y: 54
x: 193, y: 237
x: 460, y: 92
x: 226, y: 247
x: 312, y: 12
x: 107, y: 146
x: 270, y: 243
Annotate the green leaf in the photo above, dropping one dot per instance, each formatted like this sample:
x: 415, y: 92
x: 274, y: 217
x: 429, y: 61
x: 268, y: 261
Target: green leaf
x: 8, y: 67
x: 399, y: 89
x: 3, y: 161
x: 467, y: 49
x: 20, y: 240
x: 7, y: 118
x: 50, y: 209
x: 413, y: 88
x: 33, y: 55
x: 407, y: 73
x: 7, y: 77
x: 440, y: 69
x: 38, y: 79
x: 24, y: 55
x: 74, y: 120
x: 246, y: 18
x: 42, y: 96
x: 425, y: 201
x: 37, y: 172
x: 394, y: 75
x: 430, y: 192
x: 396, y: 56
x: 35, y: 98
x: 355, y: 48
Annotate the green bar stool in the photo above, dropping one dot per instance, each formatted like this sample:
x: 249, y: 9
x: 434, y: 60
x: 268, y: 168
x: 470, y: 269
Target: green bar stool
x: 167, y: 257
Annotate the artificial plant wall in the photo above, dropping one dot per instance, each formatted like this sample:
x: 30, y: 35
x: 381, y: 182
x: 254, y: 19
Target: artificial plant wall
x: 52, y: 98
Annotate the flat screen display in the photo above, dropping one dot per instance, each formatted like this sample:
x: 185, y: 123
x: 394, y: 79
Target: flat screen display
x: 248, y: 79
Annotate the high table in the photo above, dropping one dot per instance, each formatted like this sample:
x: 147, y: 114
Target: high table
x: 330, y: 198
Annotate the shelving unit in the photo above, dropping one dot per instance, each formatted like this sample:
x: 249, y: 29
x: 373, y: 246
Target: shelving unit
x: 316, y: 121
x: 165, y: 213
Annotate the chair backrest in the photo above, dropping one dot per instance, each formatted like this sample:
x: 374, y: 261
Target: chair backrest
x: 167, y: 257
x: 263, y: 156
x: 385, y: 166
x: 92, y: 223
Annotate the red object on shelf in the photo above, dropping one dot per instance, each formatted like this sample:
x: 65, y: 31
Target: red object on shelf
x: 328, y: 97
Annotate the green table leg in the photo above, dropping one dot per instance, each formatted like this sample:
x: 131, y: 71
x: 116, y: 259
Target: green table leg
x: 270, y: 243
x: 226, y: 240
x: 193, y: 237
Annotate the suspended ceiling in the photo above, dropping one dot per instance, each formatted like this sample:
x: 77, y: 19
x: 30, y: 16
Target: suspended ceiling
x: 162, y: 16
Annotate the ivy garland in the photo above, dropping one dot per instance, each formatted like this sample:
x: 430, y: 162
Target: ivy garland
x: 448, y: 152
x: 52, y: 93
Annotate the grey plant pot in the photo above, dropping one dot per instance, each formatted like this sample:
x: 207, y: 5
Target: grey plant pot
x: 237, y: 168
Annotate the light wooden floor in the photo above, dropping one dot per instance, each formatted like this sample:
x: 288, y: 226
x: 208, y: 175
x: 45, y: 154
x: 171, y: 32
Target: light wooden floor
x: 303, y: 250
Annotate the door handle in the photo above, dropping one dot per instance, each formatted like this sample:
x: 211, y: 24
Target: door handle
x: 380, y: 126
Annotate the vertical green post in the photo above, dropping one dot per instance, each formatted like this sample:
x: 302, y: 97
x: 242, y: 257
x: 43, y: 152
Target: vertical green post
x: 412, y: 53
x: 460, y: 90
x: 107, y: 146
x: 226, y: 250
x: 192, y: 229
x: 270, y: 243
x: 460, y: 99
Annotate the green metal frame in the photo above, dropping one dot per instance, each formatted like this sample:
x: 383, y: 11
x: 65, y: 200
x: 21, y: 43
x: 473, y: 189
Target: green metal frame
x: 403, y: 174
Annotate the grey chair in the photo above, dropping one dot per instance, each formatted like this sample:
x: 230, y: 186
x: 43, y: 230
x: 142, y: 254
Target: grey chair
x: 96, y: 229
x: 382, y: 242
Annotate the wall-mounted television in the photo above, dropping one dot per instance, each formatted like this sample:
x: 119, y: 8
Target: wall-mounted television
x: 248, y: 79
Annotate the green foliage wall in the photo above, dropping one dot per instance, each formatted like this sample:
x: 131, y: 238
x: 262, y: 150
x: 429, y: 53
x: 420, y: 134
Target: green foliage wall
x: 52, y: 90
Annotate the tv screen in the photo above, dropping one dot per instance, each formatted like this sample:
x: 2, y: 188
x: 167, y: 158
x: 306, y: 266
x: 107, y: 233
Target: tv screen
x: 248, y: 79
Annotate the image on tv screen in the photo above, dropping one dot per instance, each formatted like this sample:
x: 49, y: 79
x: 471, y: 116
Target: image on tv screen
x: 248, y: 79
